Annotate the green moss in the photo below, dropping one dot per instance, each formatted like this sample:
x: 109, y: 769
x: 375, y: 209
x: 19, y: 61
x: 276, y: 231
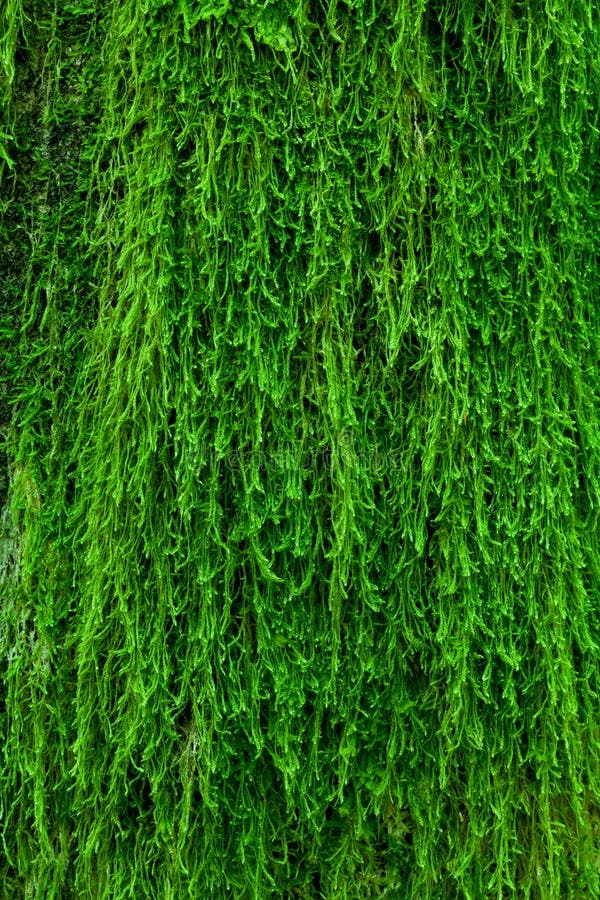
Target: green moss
x: 301, y: 567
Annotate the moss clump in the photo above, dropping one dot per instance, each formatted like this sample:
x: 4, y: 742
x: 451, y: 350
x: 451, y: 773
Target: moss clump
x: 301, y: 403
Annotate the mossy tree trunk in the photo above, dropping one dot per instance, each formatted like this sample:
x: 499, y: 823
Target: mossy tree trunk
x: 300, y: 399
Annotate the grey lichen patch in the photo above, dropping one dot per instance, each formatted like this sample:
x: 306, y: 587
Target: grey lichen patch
x: 11, y: 548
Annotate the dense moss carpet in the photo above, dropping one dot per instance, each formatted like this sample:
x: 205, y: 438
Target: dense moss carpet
x: 300, y: 410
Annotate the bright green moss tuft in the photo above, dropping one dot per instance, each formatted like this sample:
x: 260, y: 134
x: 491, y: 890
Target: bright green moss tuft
x: 300, y: 405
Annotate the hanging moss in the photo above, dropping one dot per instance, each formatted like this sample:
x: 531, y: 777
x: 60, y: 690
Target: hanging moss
x: 300, y: 415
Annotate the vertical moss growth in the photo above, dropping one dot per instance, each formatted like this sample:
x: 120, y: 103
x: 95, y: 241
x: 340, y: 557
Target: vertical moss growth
x: 301, y: 566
